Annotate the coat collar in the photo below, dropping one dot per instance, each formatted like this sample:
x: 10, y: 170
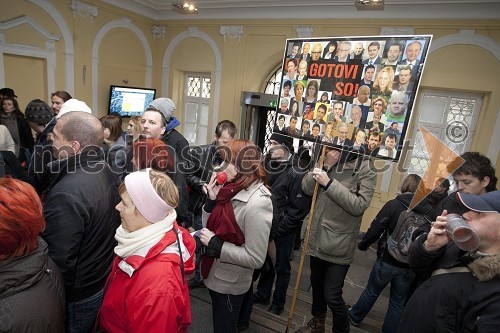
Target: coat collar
x: 244, y: 195
x: 485, y: 267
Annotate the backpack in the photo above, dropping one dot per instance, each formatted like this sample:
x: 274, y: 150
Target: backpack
x: 398, y: 243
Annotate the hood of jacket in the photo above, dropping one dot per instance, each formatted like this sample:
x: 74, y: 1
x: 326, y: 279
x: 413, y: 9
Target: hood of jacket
x: 275, y: 168
x: 172, y: 123
x: 423, y: 207
x: 485, y: 267
x: 20, y: 273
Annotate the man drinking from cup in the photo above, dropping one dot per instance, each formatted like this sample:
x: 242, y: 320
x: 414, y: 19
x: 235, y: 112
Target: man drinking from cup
x: 463, y: 292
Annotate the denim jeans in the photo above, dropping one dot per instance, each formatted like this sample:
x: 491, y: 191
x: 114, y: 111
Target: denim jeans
x: 225, y: 311
x: 381, y: 275
x: 81, y: 315
x: 327, y: 281
x: 284, y: 248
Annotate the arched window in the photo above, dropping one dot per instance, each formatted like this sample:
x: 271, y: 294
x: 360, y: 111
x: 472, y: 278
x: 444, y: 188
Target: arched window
x: 273, y: 82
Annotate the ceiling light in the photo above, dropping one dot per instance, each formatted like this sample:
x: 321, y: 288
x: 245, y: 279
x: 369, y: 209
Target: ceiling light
x: 185, y: 8
x: 369, y: 4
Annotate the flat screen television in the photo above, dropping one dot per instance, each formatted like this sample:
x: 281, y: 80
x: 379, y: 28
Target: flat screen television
x: 130, y: 101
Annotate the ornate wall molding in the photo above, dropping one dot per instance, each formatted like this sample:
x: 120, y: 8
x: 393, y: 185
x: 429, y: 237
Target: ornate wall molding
x: 304, y: 32
x: 231, y: 31
x: 467, y: 37
x: 83, y: 9
x: 159, y: 31
x: 397, y: 31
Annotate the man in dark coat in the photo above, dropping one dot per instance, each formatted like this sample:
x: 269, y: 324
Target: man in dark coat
x: 202, y: 161
x: 79, y: 208
x: 463, y: 293
x: 285, y: 178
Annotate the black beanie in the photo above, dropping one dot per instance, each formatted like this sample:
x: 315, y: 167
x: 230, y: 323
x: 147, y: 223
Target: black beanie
x: 38, y: 112
x: 283, y: 140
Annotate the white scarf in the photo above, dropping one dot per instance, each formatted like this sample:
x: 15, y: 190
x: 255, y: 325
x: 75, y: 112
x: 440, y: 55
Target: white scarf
x: 142, y: 240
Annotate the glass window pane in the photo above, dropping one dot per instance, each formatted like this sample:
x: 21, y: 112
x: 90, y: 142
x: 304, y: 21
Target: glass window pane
x: 193, y: 86
x: 191, y: 112
x: 202, y: 135
x: 190, y: 132
x: 205, y: 92
x: 273, y: 85
x: 203, y: 115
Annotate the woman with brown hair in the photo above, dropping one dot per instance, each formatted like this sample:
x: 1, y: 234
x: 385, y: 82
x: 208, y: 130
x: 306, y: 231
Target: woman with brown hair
x: 19, y: 128
x: 31, y: 287
x: 115, y: 150
x: 379, y: 106
x: 237, y: 220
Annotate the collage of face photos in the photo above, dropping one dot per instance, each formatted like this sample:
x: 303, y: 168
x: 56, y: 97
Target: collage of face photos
x: 355, y: 92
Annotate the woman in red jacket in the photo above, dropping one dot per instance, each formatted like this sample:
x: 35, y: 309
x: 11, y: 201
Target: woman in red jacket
x: 147, y: 289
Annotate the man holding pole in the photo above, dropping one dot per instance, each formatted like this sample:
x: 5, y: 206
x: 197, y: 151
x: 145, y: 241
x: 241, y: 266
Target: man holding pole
x: 344, y: 192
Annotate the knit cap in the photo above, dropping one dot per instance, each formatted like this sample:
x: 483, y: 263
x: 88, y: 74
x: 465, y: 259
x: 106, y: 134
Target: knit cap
x: 73, y: 105
x: 38, y: 112
x: 164, y: 105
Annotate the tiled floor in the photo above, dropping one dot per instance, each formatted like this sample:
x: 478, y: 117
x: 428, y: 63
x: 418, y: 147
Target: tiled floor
x: 263, y: 321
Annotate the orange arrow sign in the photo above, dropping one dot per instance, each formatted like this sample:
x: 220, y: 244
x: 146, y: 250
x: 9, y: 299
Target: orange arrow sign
x: 442, y: 163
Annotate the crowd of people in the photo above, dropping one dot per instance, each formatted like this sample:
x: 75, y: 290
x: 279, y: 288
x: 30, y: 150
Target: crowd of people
x: 100, y: 228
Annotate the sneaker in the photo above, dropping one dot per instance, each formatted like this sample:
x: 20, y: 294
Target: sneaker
x: 351, y: 320
x: 193, y: 284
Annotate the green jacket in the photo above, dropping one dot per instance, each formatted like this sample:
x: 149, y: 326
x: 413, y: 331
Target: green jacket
x: 338, y: 211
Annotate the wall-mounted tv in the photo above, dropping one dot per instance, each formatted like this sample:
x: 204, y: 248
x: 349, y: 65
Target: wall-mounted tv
x: 130, y: 101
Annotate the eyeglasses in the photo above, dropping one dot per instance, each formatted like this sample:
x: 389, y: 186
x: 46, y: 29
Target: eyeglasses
x: 319, y: 52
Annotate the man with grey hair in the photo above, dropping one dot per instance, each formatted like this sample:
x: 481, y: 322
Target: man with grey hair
x: 343, y: 54
x: 78, y: 207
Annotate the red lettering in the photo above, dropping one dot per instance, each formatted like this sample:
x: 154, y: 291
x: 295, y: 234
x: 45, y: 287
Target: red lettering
x: 322, y: 70
x: 339, y: 86
x: 351, y: 71
x: 348, y: 89
x: 313, y: 69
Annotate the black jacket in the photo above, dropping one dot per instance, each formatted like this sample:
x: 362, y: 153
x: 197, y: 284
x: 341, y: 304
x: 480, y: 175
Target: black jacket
x: 174, y: 140
x: 31, y: 293
x: 10, y: 166
x: 453, y: 302
x: 451, y: 204
x: 385, y: 222
x: 79, y: 208
x: 201, y: 160
x: 292, y: 204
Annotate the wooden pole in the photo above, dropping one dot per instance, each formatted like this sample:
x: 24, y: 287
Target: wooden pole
x: 306, y: 242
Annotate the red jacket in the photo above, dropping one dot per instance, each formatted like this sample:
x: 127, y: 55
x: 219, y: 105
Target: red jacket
x: 156, y: 297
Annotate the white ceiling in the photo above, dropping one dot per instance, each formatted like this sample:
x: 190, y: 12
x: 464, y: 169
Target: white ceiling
x: 307, y: 9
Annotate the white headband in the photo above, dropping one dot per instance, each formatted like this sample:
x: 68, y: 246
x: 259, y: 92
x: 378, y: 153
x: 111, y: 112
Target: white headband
x: 143, y: 195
